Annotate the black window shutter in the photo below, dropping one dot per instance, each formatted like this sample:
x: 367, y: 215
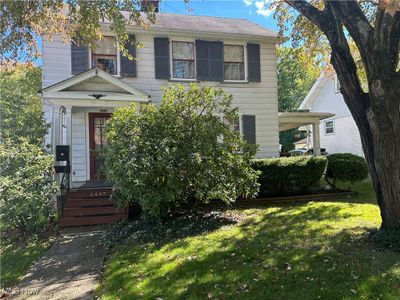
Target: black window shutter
x: 128, y: 67
x: 79, y: 58
x: 210, y: 60
x: 161, y: 56
x: 253, y: 62
x: 216, y: 61
x: 249, y: 128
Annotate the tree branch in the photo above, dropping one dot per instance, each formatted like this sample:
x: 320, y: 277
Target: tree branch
x: 387, y: 32
x: 355, y: 21
x: 309, y: 11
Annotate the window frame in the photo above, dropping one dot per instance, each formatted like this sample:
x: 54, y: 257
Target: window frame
x: 326, y: 127
x: 244, y: 62
x: 117, y: 56
x: 171, y: 59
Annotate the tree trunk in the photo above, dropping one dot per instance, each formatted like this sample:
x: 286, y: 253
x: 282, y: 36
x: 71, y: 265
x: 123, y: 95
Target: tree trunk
x: 384, y: 162
x: 379, y: 129
x: 377, y: 115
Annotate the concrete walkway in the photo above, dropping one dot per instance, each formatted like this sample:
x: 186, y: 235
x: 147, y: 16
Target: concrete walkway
x: 70, y: 269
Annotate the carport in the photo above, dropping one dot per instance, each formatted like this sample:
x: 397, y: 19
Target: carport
x: 290, y: 120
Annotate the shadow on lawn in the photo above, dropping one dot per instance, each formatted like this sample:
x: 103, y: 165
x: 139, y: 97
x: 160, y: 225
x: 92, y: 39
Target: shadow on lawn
x: 288, y: 252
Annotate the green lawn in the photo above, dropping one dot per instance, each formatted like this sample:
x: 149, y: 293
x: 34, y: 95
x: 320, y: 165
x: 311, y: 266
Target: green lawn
x: 17, y: 256
x: 317, y: 250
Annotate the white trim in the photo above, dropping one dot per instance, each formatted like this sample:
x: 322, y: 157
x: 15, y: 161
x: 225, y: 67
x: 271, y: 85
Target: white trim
x: 336, y: 85
x: 87, y: 145
x: 56, y: 91
x: 333, y: 127
x: 171, y: 60
x: 289, y: 120
x: 313, y: 92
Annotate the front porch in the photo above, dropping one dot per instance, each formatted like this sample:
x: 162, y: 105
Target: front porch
x: 80, y: 107
x: 290, y: 120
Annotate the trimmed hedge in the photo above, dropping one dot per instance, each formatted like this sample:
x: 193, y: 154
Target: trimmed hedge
x: 289, y: 173
x: 345, y: 167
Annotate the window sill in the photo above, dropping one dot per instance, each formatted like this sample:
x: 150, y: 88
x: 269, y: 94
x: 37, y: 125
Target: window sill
x: 235, y: 81
x: 182, y: 80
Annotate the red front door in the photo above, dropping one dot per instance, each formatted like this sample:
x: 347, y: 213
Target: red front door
x: 97, y: 140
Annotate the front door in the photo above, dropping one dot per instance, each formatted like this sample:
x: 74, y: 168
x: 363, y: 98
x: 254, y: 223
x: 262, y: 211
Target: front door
x: 97, y: 140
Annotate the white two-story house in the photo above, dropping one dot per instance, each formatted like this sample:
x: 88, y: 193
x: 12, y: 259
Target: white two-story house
x: 83, y: 85
x: 339, y: 133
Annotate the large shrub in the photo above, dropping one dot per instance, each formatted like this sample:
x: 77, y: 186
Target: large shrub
x: 289, y: 173
x: 184, y: 150
x: 26, y: 187
x: 345, y: 167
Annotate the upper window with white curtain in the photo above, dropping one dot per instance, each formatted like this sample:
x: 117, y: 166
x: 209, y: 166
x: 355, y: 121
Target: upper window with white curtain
x: 183, y: 60
x: 234, y: 62
x: 104, y: 55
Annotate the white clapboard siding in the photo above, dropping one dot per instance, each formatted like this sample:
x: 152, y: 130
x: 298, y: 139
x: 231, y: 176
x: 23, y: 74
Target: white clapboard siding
x: 255, y: 98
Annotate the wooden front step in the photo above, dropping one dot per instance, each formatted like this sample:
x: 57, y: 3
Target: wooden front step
x: 88, y: 202
x: 92, y: 211
x: 91, y: 207
x: 92, y: 193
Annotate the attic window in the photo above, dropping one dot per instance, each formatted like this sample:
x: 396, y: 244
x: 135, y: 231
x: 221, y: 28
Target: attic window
x: 104, y: 55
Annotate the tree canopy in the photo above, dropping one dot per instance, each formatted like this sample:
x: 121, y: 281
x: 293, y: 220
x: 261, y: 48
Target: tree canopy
x: 24, y: 22
x: 21, y: 112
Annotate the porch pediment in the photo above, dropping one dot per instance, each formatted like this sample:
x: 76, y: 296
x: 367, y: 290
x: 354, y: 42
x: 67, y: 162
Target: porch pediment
x: 93, y: 88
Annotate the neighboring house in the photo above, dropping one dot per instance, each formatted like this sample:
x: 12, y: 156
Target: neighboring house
x: 339, y: 134
x: 83, y: 85
x: 302, y: 144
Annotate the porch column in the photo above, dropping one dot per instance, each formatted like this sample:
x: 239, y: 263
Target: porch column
x: 69, y: 136
x: 55, y: 128
x: 316, y: 139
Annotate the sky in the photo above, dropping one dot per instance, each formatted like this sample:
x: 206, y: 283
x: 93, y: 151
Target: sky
x: 253, y: 10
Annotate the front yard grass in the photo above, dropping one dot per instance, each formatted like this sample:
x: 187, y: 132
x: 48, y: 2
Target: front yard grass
x: 17, y: 256
x: 316, y: 250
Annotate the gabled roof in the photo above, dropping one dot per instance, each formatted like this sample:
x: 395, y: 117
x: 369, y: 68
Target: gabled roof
x: 90, y: 84
x: 207, y: 25
x: 315, y: 89
x: 210, y: 24
x: 91, y: 88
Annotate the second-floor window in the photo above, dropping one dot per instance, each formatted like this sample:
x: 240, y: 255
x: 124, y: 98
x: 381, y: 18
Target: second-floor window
x: 234, y: 62
x: 183, y: 60
x: 104, y: 55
